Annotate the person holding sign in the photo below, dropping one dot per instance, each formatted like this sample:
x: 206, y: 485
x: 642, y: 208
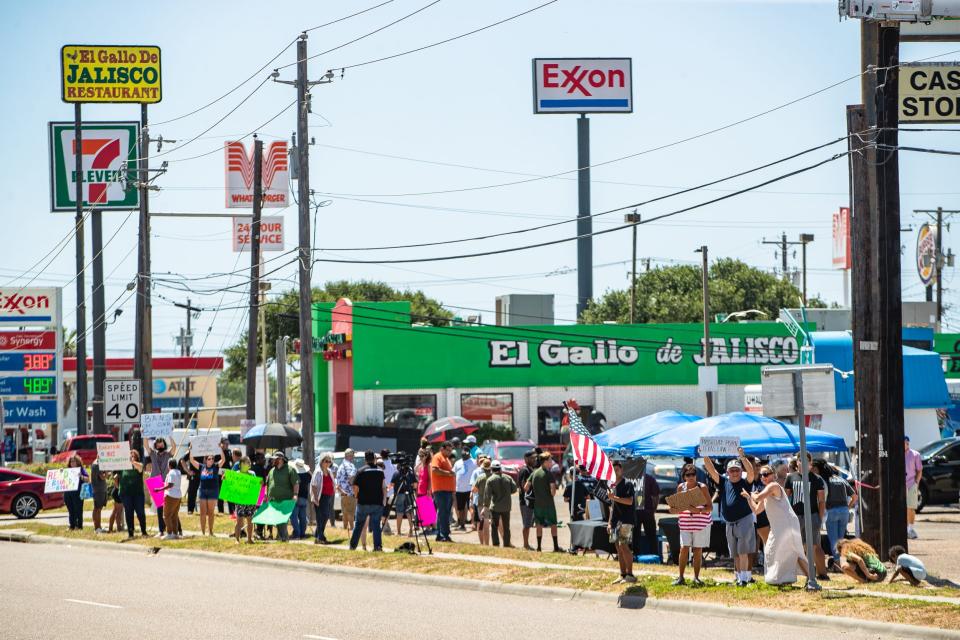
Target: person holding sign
x: 209, y: 489
x: 172, y: 495
x: 694, y: 524
x: 735, y: 509
x: 160, y: 459
x: 72, y: 498
x: 783, y: 551
x: 244, y: 511
x: 131, y: 492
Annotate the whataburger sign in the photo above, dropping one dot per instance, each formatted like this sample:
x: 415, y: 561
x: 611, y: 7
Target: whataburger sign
x: 110, y: 158
x: 274, y: 175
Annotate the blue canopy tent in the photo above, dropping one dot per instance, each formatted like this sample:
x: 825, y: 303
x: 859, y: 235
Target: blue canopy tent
x: 630, y: 438
x: 758, y: 435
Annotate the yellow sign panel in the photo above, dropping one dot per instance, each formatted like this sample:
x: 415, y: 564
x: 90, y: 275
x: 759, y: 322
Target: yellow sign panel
x: 110, y: 73
x: 930, y: 92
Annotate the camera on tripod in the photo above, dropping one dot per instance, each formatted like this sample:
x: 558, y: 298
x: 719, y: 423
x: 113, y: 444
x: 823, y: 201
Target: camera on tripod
x: 401, y: 459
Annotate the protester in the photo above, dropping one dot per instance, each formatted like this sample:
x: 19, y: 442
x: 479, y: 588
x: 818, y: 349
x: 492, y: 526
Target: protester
x: 388, y: 470
x: 841, y: 498
x: 496, y: 501
x: 131, y: 492
x: 98, y: 483
x: 116, y: 514
x: 193, y: 483
x: 471, y: 444
x: 321, y: 496
x: 647, y: 510
x: 244, y: 512
x: 544, y: 487
x: 741, y: 536
x: 404, y: 485
x: 481, y: 476
x: 860, y: 561
x: 259, y: 469
x: 160, y: 459
x: 172, y: 495
x: 914, y: 472
x: 762, y: 524
x: 444, y: 483
x: 576, y: 494
x: 463, y: 470
x: 457, y: 448
x: 783, y: 550
x: 72, y: 499
x: 908, y: 567
x: 209, y: 472
x: 620, y: 526
x: 348, y: 501
x: 225, y: 458
x: 299, y: 518
x: 370, y: 487
x: 282, y: 485
x: 818, y: 510
x: 694, y: 525
x: 526, y: 497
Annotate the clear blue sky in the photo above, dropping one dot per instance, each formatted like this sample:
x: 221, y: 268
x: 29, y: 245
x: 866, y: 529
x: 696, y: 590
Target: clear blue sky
x: 697, y: 65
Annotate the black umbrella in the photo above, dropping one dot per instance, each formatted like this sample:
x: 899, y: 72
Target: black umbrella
x: 272, y: 436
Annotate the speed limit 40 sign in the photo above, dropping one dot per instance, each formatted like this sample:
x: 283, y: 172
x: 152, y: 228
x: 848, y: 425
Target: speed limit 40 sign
x: 121, y: 401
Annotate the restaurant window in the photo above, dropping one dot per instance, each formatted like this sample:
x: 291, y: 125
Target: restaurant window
x: 549, y: 420
x: 409, y: 411
x: 488, y: 409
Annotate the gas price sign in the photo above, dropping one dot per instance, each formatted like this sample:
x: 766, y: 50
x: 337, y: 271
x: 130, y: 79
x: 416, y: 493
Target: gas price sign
x: 28, y: 386
x: 28, y: 362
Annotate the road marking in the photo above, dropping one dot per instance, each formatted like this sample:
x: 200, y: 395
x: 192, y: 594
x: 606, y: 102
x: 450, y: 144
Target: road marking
x: 312, y: 637
x: 94, y: 604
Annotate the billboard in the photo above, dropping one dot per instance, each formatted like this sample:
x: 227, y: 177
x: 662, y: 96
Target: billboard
x: 271, y: 233
x: 927, y: 254
x: 929, y: 92
x: 239, y: 179
x: 110, y: 73
x: 582, y: 85
x: 110, y: 154
x: 841, y: 239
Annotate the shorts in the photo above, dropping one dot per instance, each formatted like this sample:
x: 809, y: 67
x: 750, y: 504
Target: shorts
x: 913, y: 497
x: 403, y: 503
x: 209, y: 494
x: 348, y: 507
x: 622, y: 534
x: 741, y: 537
x: 545, y: 517
x: 245, y: 510
x: 695, y: 539
x: 816, y: 523
x: 526, y: 515
x: 463, y: 497
x: 763, y: 522
x: 99, y: 499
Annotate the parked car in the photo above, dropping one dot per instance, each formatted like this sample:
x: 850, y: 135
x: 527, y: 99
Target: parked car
x: 84, y: 446
x: 509, y: 453
x: 322, y: 442
x: 21, y: 494
x: 940, y: 483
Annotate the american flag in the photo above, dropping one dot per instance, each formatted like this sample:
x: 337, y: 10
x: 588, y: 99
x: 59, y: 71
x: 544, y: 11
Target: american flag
x: 586, y: 451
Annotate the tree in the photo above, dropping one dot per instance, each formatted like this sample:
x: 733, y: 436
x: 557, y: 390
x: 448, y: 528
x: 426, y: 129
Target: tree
x: 675, y: 294
x: 281, y: 316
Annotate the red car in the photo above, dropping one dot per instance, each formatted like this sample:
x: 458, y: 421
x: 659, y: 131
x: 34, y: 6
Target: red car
x: 509, y: 453
x: 21, y: 494
x: 83, y: 446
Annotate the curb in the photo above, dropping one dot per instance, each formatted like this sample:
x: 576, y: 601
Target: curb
x: 833, y: 623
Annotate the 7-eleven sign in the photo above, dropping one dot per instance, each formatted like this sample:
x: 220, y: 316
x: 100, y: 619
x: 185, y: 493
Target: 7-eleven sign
x: 105, y: 147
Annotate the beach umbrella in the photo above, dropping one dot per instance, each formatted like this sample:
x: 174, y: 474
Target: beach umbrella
x: 443, y: 429
x: 272, y: 436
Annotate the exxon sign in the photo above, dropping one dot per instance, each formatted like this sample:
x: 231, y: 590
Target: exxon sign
x: 582, y: 85
x: 29, y: 306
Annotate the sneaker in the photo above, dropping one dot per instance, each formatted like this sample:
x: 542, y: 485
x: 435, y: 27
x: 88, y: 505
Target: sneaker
x: 912, y: 533
x: 824, y: 578
x: 173, y: 536
x: 677, y: 582
x: 697, y: 582
x: 619, y: 580
x: 741, y: 583
x: 630, y: 578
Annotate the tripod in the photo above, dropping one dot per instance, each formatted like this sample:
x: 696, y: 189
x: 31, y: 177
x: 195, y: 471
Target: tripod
x: 413, y: 511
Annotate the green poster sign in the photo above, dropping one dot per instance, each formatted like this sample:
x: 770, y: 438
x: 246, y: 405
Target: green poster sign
x: 274, y: 513
x: 110, y: 156
x: 948, y: 346
x: 240, y: 488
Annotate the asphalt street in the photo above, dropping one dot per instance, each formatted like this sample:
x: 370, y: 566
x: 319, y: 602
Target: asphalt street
x: 60, y: 591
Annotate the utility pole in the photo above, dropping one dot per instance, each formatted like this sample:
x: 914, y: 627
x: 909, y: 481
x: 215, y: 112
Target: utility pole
x: 707, y: 347
x: 633, y: 219
x: 264, y: 287
x: 143, y: 358
x: 99, y: 322
x: 81, y: 293
x: 186, y: 342
x: 805, y: 239
x: 584, y: 221
x: 254, y: 279
x: 282, y: 379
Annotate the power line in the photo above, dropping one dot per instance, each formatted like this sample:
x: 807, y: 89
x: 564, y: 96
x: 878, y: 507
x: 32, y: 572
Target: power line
x: 352, y: 15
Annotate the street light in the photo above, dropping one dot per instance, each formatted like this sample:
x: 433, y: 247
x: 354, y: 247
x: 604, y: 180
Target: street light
x: 707, y: 348
x: 804, y: 239
x: 633, y: 219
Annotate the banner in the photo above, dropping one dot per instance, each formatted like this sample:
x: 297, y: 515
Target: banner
x: 427, y: 511
x: 274, y: 513
x: 271, y: 233
x: 205, y: 445
x: 114, y: 456
x: 156, y: 425
x: 155, y: 485
x: 60, y: 480
x: 240, y: 488
x: 714, y: 446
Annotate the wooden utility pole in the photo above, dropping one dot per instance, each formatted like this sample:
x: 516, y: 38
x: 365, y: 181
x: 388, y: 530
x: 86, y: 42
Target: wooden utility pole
x: 81, y: 395
x: 254, y: 311
x: 633, y: 219
x: 143, y: 358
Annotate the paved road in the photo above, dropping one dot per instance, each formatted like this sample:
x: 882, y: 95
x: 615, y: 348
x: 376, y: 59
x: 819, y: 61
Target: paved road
x: 92, y: 593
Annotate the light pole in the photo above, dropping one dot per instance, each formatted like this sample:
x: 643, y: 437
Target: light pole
x: 804, y: 239
x: 707, y: 348
x: 633, y: 219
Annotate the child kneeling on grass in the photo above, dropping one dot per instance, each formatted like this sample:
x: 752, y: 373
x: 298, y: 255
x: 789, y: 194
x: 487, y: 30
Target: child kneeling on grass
x: 908, y: 567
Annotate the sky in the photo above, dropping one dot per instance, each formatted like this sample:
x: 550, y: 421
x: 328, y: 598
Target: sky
x: 457, y: 117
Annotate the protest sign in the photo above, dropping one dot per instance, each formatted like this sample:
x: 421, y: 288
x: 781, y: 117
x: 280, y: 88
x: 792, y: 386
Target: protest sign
x: 155, y: 485
x: 717, y: 446
x: 274, y: 513
x: 240, y: 488
x: 205, y: 445
x: 114, y: 456
x: 427, y: 510
x: 687, y: 500
x: 60, y: 480
x: 156, y: 425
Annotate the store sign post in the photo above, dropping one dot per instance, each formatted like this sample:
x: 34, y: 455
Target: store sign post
x: 110, y: 73
x: 929, y: 92
x: 275, y: 176
x: 582, y: 85
x: 927, y: 254
x: 271, y: 233
x: 110, y: 156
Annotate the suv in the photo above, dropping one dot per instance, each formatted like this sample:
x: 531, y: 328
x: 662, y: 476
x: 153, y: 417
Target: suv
x: 940, y: 483
x: 509, y: 453
x: 83, y: 446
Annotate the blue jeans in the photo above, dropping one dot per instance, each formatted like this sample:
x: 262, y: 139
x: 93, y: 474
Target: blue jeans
x: 375, y: 513
x: 134, y: 504
x: 324, y: 509
x: 299, y: 519
x: 836, y: 527
x: 444, y: 502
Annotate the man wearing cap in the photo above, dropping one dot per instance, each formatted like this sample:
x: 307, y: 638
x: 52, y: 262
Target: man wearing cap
x: 623, y: 515
x: 471, y: 444
x: 914, y: 470
x: 370, y: 489
x: 463, y: 468
x: 741, y: 536
x: 348, y: 501
x: 282, y: 483
x: 444, y: 484
x: 526, y: 497
x: 544, y: 487
x: 496, y: 502
x: 479, y: 481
